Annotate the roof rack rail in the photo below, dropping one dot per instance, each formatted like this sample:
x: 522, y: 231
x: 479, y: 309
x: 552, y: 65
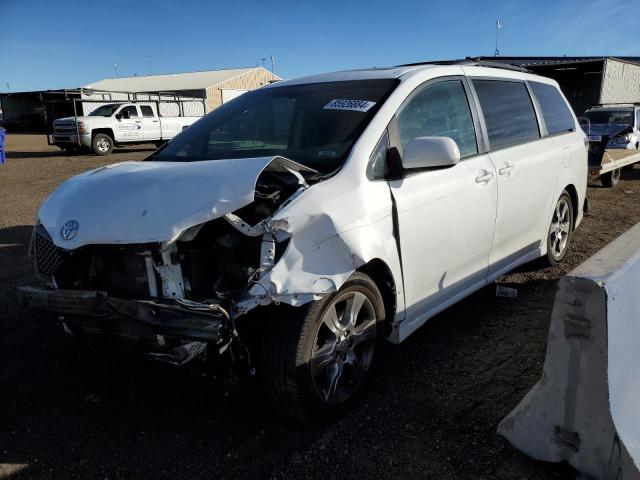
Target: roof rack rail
x: 472, y: 62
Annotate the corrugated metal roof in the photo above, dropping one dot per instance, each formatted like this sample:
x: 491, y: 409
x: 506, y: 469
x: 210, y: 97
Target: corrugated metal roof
x: 169, y: 82
x: 534, y: 61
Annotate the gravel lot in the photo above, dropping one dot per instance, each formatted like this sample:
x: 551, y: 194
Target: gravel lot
x: 66, y: 412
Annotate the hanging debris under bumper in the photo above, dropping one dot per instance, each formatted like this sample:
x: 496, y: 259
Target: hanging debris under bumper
x: 109, y: 315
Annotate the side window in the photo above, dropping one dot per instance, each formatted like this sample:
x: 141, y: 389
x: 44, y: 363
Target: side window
x: 378, y: 167
x: 555, y: 112
x: 133, y: 111
x: 147, y: 111
x: 439, y: 110
x: 508, y: 112
x: 638, y: 119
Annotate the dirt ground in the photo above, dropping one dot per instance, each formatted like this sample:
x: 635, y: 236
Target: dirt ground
x: 66, y: 412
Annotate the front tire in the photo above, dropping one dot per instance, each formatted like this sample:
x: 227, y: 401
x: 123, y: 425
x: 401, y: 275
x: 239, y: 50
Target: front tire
x: 102, y: 144
x: 560, y: 230
x: 317, y: 360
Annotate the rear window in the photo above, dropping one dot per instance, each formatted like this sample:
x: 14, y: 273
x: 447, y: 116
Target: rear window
x: 613, y: 117
x: 508, y: 112
x: 555, y: 112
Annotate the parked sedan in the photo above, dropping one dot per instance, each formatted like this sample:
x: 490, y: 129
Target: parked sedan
x: 290, y: 231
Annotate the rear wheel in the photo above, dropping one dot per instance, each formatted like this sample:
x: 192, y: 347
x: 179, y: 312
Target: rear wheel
x: 559, y: 236
x: 102, y: 144
x: 611, y: 179
x: 317, y: 360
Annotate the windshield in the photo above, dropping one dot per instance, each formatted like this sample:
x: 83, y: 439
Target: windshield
x: 313, y: 124
x: 105, y: 110
x: 601, y: 117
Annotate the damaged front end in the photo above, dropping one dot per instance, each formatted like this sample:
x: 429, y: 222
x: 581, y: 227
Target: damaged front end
x: 175, y: 299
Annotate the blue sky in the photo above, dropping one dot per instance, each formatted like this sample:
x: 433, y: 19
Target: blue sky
x: 65, y: 44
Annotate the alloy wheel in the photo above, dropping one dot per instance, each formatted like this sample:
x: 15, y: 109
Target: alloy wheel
x: 344, y: 347
x: 560, y: 229
x: 102, y: 145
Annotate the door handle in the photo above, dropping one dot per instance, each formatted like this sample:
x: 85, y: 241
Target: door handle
x: 484, y: 177
x: 507, y: 169
x: 138, y: 121
x: 154, y: 121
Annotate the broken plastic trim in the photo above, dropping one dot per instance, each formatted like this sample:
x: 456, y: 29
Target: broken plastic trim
x: 171, y: 318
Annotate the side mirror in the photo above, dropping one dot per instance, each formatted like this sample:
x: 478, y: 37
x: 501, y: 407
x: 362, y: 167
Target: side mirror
x: 430, y: 152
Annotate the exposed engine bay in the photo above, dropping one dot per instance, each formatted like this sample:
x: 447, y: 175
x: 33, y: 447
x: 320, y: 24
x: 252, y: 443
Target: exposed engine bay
x: 183, y: 293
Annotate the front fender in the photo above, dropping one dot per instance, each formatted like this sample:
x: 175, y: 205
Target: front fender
x: 311, y: 268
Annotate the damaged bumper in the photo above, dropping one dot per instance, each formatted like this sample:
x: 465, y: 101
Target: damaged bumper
x: 96, y: 312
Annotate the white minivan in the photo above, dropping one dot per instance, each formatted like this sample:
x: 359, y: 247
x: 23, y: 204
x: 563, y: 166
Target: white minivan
x: 291, y: 230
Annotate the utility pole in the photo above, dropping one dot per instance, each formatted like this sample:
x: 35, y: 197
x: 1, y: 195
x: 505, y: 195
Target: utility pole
x: 273, y: 60
x: 8, y: 87
x: 496, y: 53
x: 115, y: 67
x: 150, y: 69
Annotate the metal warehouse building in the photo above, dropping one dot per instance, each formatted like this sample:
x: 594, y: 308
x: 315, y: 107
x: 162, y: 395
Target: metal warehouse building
x: 193, y: 92
x: 586, y: 81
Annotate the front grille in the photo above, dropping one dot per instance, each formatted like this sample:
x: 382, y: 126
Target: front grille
x: 64, y: 128
x: 121, y: 271
x: 46, y: 255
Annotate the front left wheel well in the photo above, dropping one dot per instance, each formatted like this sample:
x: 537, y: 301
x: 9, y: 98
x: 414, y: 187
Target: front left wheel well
x: 381, y: 274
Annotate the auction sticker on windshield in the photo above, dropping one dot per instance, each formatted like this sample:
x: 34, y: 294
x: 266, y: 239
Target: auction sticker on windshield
x: 353, y: 105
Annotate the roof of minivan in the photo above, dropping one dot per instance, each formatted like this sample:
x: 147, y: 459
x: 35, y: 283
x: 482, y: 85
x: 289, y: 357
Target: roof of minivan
x: 360, y: 74
x: 393, y: 72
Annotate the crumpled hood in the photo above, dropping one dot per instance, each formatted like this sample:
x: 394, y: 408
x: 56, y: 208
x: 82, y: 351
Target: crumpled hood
x: 140, y: 202
x: 610, y: 129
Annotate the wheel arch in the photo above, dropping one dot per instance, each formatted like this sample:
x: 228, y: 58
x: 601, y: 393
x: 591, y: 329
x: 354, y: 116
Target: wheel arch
x: 382, y: 276
x: 575, y: 202
x: 105, y: 131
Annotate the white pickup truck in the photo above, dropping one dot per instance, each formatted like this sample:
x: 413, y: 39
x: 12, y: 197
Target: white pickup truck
x: 117, y: 124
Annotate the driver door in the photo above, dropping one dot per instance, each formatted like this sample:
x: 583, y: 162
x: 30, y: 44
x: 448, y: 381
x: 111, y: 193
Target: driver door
x: 446, y: 216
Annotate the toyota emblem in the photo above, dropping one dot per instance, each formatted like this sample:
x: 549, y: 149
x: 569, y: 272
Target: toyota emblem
x: 69, y: 230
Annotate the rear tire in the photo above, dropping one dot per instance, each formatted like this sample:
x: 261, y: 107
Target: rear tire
x: 560, y: 230
x: 317, y: 359
x: 610, y: 179
x: 102, y: 144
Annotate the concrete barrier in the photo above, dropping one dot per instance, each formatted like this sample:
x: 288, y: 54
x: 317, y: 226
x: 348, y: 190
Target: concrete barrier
x: 585, y: 409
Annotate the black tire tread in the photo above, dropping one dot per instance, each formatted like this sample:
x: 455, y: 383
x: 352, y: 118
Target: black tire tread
x: 93, y: 142
x: 608, y: 180
x: 283, y: 349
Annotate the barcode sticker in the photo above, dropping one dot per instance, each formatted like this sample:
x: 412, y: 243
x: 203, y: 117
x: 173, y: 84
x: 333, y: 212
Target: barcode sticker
x: 353, y: 105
